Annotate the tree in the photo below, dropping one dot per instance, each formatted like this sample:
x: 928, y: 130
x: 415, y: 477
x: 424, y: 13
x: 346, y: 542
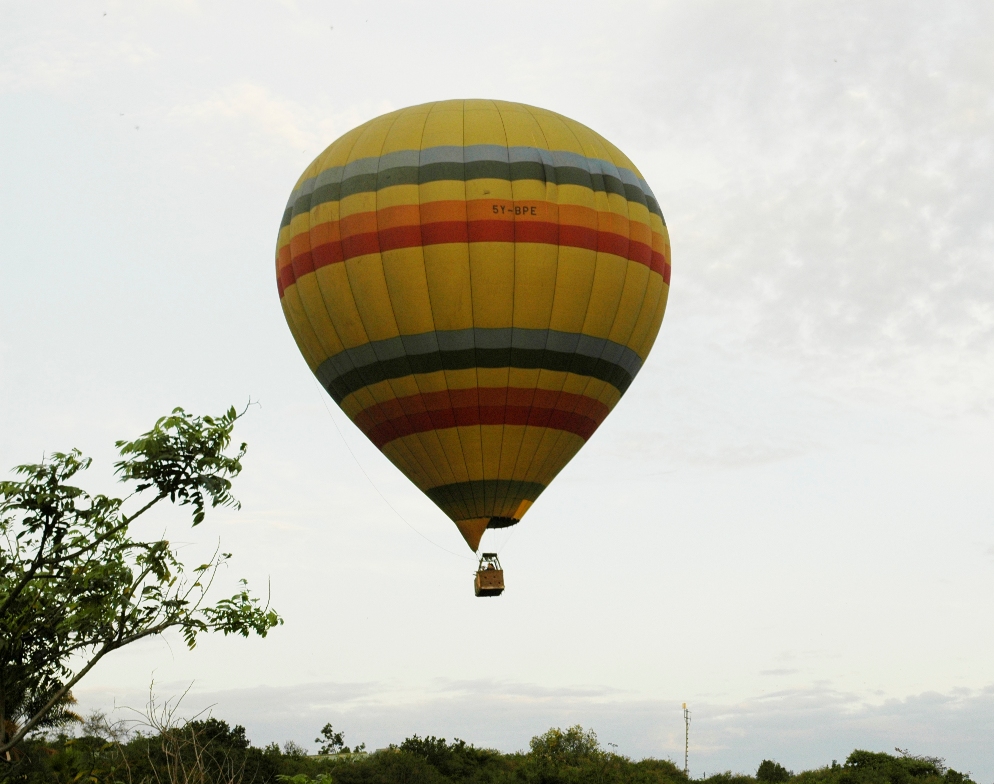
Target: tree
x: 60, y: 715
x: 772, y: 772
x: 572, y: 746
x: 458, y: 761
x: 74, y: 583
x: 333, y: 742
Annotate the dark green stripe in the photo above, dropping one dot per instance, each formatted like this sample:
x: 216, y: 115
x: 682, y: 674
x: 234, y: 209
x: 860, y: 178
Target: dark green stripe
x: 467, y: 500
x: 462, y: 172
x: 343, y: 385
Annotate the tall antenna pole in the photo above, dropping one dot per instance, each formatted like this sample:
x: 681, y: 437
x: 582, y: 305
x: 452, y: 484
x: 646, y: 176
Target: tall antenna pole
x: 686, y: 740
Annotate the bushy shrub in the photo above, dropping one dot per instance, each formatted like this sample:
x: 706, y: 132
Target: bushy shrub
x: 773, y: 772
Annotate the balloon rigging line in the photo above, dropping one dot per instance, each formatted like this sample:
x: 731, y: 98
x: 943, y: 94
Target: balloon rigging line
x: 507, y: 541
x: 373, y: 484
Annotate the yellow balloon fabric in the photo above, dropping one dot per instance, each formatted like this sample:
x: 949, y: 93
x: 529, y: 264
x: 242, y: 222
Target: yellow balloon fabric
x: 476, y: 283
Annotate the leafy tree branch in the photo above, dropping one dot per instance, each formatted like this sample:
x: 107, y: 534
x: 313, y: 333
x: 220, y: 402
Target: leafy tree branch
x: 74, y: 581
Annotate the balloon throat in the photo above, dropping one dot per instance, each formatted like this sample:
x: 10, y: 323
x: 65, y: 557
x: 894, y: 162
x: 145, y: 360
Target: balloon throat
x: 502, y: 522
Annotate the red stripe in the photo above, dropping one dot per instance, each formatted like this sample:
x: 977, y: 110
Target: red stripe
x: 640, y: 252
x: 443, y: 232
x: 400, y: 237
x: 302, y: 264
x: 491, y: 231
x: 384, y: 422
x: 360, y: 244
x: 541, y: 232
x: 284, y: 278
x: 578, y: 237
x: 613, y: 243
x: 329, y: 253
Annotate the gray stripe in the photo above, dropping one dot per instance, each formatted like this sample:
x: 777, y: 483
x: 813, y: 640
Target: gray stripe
x: 361, y: 166
x: 455, y: 340
x: 409, y: 167
x: 485, y: 152
x: 493, y: 338
x: 306, y: 187
x: 565, y: 342
x: 425, y: 343
x: 443, y: 154
x: 400, y: 158
x: 471, y: 153
x: 566, y: 158
x: 329, y: 176
x: 534, y: 154
x: 341, y: 363
x: 389, y: 349
x: 363, y: 355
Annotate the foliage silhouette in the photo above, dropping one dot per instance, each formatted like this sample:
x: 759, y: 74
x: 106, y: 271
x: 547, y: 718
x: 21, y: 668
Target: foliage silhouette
x: 75, y: 585
x: 210, y: 751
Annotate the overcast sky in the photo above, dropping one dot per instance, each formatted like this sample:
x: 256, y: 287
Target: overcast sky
x: 787, y: 522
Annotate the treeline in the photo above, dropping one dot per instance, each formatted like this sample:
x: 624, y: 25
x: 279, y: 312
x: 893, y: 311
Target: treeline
x: 209, y: 751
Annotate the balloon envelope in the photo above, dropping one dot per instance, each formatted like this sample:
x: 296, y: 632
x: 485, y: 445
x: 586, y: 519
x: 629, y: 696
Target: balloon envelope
x: 476, y: 283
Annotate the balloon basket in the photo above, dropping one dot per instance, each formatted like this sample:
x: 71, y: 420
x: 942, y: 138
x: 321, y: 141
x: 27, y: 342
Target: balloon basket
x: 489, y: 579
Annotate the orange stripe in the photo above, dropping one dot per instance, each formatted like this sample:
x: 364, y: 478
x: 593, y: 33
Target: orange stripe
x: 434, y: 223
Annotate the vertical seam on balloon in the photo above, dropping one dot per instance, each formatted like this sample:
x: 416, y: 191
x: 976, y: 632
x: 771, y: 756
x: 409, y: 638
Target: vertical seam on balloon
x: 445, y: 376
x: 376, y: 204
x: 645, y: 293
x: 404, y: 442
x: 548, y: 326
x: 558, y: 258
x: 296, y: 328
x: 472, y: 317
x: 360, y: 370
x: 628, y: 269
x: 500, y: 498
x: 317, y: 280
x: 650, y: 337
x: 433, y: 433
x: 557, y: 438
x: 523, y: 476
x: 594, y: 144
x: 555, y: 454
x: 425, y: 436
x: 558, y: 254
x: 465, y: 489
x: 303, y: 307
x: 324, y: 303
x: 292, y: 322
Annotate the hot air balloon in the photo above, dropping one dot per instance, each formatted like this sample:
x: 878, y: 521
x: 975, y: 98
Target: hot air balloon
x: 476, y: 283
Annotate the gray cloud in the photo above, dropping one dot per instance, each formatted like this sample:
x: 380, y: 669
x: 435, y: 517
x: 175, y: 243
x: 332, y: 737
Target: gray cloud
x: 842, y: 219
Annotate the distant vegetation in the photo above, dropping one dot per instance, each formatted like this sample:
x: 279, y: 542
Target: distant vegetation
x: 210, y: 751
